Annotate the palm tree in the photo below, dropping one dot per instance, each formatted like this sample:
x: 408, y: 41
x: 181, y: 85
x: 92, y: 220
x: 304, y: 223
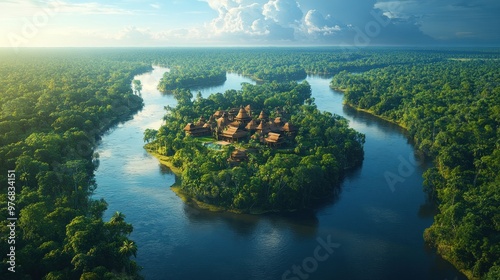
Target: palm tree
x: 117, y: 217
x: 128, y: 248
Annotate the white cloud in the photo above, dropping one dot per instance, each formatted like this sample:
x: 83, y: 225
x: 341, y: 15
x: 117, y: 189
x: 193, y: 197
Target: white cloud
x: 283, y: 12
x: 315, y: 22
x: 256, y: 19
x: 249, y: 22
x: 236, y: 19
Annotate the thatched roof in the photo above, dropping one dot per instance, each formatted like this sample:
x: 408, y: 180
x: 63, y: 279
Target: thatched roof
x: 288, y: 127
x: 234, y: 132
x: 242, y: 115
x: 197, y: 130
x: 252, y: 125
x: 222, y: 122
x: 248, y: 108
x: 274, y: 138
x: 189, y: 127
x: 263, y: 127
x: 278, y: 120
x: 262, y: 115
x: 218, y: 114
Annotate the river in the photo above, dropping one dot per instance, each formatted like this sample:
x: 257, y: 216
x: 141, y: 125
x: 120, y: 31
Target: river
x: 372, y: 229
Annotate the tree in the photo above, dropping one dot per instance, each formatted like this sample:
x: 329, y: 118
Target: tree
x: 137, y: 85
x: 128, y: 248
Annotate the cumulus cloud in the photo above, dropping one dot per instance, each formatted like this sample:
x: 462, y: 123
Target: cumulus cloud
x: 234, y: 16
x: 257, y: 20
x: 315, y: 22
x: 338, y: 22
x: 283, y: 12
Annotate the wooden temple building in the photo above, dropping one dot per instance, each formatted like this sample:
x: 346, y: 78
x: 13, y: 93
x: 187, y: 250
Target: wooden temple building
x: 200, y: 128
x: 238, y: 124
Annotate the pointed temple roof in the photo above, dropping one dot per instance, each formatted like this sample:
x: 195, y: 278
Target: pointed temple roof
x: 222, y: 121
x: 201, y: 121
x: 263, y: 127
x: 189, y: 127
x: 252, y: 125
x: 262, y: 115
x: 278, y: 120
x: 288, y: 127
x: 248, y: 108
x: 218, y: 114
x: 242, y: 115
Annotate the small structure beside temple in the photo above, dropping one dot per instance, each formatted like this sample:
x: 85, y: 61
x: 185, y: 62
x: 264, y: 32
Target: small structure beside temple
x: 237, y: 156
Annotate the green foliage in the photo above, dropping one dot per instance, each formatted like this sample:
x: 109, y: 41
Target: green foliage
x: 282, y: 179
x: 54, y: 107
x: 191, y: 76
x: 451, y: 109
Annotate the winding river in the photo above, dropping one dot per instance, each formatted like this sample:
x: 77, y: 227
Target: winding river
x: 371, y: 230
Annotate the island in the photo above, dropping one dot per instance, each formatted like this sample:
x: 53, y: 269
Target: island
x: 259, y: 149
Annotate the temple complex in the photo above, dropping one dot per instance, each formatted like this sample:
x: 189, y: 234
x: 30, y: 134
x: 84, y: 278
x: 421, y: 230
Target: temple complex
x: 238, y: 124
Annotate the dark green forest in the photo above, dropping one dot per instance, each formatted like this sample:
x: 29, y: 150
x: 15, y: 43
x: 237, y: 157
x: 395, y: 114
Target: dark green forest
x: 55, y: 106
x: 57, y: 103
x: 190, y: 77
x: 451, y: 110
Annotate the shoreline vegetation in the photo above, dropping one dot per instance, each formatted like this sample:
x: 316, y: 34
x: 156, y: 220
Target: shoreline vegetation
x: 186, y: 198
x: 55, y: 108
x: 370, y: 112
x: 427, y: 119
x: 451, y: 111
x: 56, y: 103
x: 285, y: 158
x: 409, y: 104
x: 440, y: 247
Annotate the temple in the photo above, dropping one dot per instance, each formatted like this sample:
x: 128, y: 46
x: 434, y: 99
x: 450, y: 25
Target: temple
x: 237, y: 124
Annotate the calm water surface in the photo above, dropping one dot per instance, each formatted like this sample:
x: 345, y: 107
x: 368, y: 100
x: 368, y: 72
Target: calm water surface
x: 375, y: 226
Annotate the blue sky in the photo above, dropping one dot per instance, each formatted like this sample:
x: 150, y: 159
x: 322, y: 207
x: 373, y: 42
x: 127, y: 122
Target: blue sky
x: 248, y: 22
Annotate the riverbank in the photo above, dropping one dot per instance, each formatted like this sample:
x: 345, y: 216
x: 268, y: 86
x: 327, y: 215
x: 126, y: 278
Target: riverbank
x: 370, y: 112
x: 441, y: 249
x: 352, y: 106
x: 188, y: 199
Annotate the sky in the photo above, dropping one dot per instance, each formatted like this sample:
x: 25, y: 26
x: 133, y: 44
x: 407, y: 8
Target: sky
x: 128, y: 23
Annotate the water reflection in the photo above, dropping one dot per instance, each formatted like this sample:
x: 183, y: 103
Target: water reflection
x: 302, y: 223
x: 380, y: 231
x: 370, y: 120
